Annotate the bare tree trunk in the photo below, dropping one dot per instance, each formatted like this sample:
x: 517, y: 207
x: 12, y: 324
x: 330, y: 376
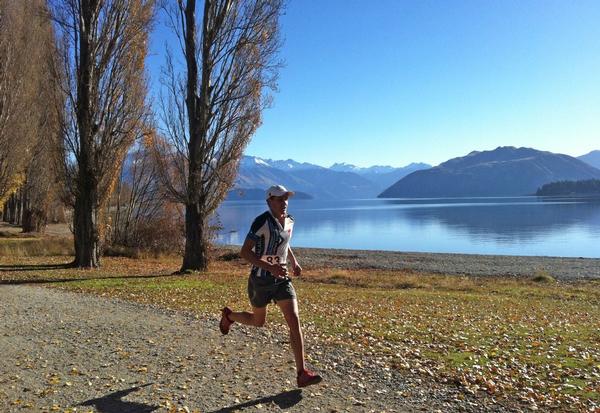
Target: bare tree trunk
x: 197, y: 243
x: 194, y: 257
x: 10, y: 215
x: 18, y: 207
x: 34, y: 216
x: 85, y: 230
x: 28, y: 218
x: 32, y: 222
x: 14, y: 205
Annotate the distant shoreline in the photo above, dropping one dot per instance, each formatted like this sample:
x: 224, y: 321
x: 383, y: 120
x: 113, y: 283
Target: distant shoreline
x: 561, y: 268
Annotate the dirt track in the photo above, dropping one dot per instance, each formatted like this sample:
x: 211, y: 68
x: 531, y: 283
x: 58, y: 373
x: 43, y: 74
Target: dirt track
x: 73, y: 351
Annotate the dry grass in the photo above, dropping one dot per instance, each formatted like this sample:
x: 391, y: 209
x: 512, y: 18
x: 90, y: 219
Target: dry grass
x: 14, y: 243
x: 27, y: 246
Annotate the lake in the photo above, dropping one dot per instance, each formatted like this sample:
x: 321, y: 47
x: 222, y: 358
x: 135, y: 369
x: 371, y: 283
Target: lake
x: 550, y: 226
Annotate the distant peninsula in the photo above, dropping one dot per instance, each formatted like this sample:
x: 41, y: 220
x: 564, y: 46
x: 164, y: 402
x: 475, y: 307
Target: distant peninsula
x: 570, y: 188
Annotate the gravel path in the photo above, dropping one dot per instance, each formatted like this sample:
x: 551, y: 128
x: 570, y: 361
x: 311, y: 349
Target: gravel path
x: 562, y: 268
x: 63, y: 350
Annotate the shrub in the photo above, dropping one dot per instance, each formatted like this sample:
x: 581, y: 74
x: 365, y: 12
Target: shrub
x: 121, y: 251
x: 230, y: 256
x: 543, y: 277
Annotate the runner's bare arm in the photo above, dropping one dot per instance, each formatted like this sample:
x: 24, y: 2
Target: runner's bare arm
x: 278, y: 270
x: 296, y: 268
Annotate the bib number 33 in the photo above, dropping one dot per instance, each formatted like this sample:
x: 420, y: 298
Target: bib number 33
x: 272, y: 259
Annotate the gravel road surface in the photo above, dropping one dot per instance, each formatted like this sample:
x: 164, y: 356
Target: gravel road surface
x: 64, y: 351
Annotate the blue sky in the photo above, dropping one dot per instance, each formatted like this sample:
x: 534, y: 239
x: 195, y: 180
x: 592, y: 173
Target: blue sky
x: 391, y: 82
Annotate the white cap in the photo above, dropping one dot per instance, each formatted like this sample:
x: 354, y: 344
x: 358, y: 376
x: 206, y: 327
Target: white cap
x: 278, y: 190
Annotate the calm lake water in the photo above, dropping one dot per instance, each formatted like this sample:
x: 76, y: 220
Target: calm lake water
x: 508, y: 226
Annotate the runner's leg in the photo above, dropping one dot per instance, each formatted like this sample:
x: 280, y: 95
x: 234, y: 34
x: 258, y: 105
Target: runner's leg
x: 256, y: 318
x: 289, y: 308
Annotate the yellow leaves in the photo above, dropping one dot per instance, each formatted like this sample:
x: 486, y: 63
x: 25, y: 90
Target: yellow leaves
x: 74, y: 372
x: 122, y: 353
x: 53, y: 379
x: 8, y: 188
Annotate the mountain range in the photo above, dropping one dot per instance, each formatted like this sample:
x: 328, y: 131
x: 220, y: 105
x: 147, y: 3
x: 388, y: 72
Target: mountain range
x: 341, y: 181
x: 504, y: 171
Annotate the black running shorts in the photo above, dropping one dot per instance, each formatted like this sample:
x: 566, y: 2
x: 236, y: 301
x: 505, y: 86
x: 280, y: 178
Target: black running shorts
x: 261, y: 295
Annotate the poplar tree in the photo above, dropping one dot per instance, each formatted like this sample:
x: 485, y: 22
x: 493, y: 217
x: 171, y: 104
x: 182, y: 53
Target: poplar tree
x: 212, y: 108
x: 28, y: 123
x: 103, y: 45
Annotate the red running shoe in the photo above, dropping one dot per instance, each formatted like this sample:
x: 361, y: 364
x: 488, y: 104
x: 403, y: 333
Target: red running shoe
x: 225, y: 320
x: 307, y: 378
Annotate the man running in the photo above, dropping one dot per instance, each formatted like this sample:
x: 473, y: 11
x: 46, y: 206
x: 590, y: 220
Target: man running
x: 267, y: 248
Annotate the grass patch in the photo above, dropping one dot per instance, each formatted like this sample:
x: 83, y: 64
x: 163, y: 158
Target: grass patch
x: 520, y: 339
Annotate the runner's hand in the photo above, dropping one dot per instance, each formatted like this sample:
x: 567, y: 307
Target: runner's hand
x: 278, y: 270
x: 297, y: 270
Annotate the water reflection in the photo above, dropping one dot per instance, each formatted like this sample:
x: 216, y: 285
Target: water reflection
x: 523, y: 225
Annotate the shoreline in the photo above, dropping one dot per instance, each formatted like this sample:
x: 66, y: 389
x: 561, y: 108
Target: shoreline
x: 561, y: 268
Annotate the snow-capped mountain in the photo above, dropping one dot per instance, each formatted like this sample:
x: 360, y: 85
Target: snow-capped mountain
x: 377, y: 169
x: 284, y: 165
x: 383, y: 176
x: 339, y: 181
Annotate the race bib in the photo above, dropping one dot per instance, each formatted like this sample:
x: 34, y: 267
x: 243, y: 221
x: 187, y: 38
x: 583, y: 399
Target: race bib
x: 272, y: 259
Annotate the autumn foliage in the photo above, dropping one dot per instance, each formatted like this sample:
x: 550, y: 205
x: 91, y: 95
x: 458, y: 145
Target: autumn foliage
x: 103, y: 47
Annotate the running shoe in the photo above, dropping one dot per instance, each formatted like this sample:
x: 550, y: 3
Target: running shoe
x: 225, y: 321
x: 307, y: 378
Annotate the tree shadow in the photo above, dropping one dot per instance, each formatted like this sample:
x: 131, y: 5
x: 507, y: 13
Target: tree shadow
x: 283, y: 400
x: 67, y: 280
x: 35, y: 267
x: 112, y: 403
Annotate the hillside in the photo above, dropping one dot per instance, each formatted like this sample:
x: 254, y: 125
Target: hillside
x: 504, y: 171
x: 592, y: 158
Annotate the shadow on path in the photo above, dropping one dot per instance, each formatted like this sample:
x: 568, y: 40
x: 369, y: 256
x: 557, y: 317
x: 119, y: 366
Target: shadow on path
x: 283, y: 400
x: 112, y: 403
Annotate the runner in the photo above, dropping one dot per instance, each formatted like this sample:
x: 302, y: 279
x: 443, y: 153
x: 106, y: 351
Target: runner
x: 267, y: 248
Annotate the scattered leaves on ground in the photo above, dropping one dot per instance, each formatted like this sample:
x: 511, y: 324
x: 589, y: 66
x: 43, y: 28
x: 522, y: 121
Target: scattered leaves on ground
x: 516, y: 339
